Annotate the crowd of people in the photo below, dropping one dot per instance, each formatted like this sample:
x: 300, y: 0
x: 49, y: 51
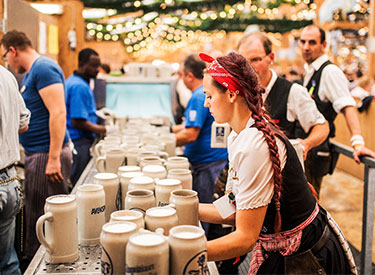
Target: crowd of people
x: 276, y: 211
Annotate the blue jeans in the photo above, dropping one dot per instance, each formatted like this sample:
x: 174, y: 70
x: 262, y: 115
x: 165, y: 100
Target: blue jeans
x: 10, y: 205
x: 204, y: 179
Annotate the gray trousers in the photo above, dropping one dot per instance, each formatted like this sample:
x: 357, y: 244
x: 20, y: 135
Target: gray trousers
x: 38, y: 188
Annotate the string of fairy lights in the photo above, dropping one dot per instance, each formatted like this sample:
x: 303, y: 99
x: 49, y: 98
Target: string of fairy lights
x: 156, y: 31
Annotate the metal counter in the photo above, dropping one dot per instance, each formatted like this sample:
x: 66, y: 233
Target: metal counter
x: 89, y: 256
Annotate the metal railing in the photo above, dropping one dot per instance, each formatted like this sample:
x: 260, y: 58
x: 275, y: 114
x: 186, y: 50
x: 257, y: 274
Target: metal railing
x: 368, y: 205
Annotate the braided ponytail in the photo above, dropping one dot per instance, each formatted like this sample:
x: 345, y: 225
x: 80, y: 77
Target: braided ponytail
x: 238, y: 66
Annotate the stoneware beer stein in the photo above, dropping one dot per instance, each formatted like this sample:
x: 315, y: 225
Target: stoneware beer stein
x: 102, y: 147
x: 91, y: 213
x: 113, y: 139
x: 143, y: 182
x: 61, y: 235
x: 186, y: 203
x: 111, y: 184
x: 144, y: 153
x: 184, y: 175
x: 113, y: 240
x: 128, y: 168
x: 129, y: 216
x: 112, y: 160
x: 177, y: 163
x: 147, y: 253
x: 155, y: 171
x: 139, y: 200
x: 161, y: 217
x: 153, y: 160
x: 170, y: 143
x: 132, y: 156
x: 188, y: 250
x: 125, y: 181
x: 163, y: 189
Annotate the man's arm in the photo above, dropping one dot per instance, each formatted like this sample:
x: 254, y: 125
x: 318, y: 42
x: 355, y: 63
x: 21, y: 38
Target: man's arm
x: 53, y: 98
x: 188, y: 135
x: 318, y: 134
x: 178, y: 128
x: 87, y: 126
x: 352, y: 121
x: 303, y: 108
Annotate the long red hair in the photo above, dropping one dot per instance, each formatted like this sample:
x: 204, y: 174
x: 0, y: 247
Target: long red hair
x: 241, y: 69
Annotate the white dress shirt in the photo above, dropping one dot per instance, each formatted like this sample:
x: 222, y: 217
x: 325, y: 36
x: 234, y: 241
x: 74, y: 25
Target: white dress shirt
x: 13, y: 117
x: 250, y: 175
x: 300, y: 105
x: 333, y: 87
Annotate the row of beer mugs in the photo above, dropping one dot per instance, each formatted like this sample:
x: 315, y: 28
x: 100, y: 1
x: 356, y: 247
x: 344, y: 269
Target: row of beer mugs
x: 149, y: 177
x: 115, y: 158
x: 124, y: 251
x: 61, y: 230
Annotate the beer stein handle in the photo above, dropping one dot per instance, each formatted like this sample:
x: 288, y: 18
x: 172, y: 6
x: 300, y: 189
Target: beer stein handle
x: 97, y: 149
x: 99, y: 163
x: 39, y: 230
x: 163, y: 155
x: 170, y: 205
x: 164, y: 162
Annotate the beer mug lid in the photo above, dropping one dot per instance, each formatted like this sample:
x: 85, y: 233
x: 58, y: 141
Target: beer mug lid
x: 168, y: 182
x: 160, y: 211
x: 60, y: 199
x: 153, y: 168
x: 147, y: 239
x: 186, y: 232
x: 119, y: 227
x: 130, y: 175
x: 142, y: 180
x: 105, y: 176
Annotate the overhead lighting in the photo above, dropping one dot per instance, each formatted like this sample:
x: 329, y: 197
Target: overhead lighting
x: 48, y: 8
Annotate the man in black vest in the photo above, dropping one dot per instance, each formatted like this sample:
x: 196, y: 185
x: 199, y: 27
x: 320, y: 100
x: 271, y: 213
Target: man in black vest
x: 288, y: 103
x: 328, y: 87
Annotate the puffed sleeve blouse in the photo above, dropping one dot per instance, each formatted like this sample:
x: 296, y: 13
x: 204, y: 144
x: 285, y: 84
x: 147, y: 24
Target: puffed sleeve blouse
x: 250, y: 175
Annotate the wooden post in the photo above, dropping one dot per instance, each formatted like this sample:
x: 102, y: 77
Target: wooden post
x: 371, y: 40
x: 70, y: 19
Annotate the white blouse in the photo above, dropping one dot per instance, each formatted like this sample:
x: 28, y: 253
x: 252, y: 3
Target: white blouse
x: 250, y: 175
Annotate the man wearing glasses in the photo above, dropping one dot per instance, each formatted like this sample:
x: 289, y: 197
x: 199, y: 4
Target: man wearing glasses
x: 288, y: 103
x: 48, y: 156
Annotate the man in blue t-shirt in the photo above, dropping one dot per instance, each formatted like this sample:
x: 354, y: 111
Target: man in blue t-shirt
x: 81, y: 108
x: 47, y: 155
x: 195, y: 134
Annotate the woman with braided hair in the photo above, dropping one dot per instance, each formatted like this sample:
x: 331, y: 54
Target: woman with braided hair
x: 275, y: 212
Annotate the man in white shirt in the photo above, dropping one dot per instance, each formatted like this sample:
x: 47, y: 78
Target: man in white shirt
x: 329, y: 88
x: 14, y: 119
x: 288, y: 103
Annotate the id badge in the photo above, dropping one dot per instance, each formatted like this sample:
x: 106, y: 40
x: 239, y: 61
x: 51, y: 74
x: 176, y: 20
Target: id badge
x: 224, y: 206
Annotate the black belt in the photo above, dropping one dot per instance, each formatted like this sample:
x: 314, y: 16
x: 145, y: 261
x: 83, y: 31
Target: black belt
x: 6, y: 169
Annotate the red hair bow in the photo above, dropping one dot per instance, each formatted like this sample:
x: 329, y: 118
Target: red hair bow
x: 221, y: 75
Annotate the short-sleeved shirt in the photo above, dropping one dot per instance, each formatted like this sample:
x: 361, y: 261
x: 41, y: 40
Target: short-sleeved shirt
x: 13, y: 117
x: 250, y: 175
x: 197, y: 115
x: 80, y: 104
x: 333, y: 87
x: 300, y: 105
x: 44, y: 72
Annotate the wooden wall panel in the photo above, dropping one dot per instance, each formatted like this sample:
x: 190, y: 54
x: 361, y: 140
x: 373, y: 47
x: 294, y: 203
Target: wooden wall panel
x: 343, y: 135
x: 70, y: 19
x: 22, y: 17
